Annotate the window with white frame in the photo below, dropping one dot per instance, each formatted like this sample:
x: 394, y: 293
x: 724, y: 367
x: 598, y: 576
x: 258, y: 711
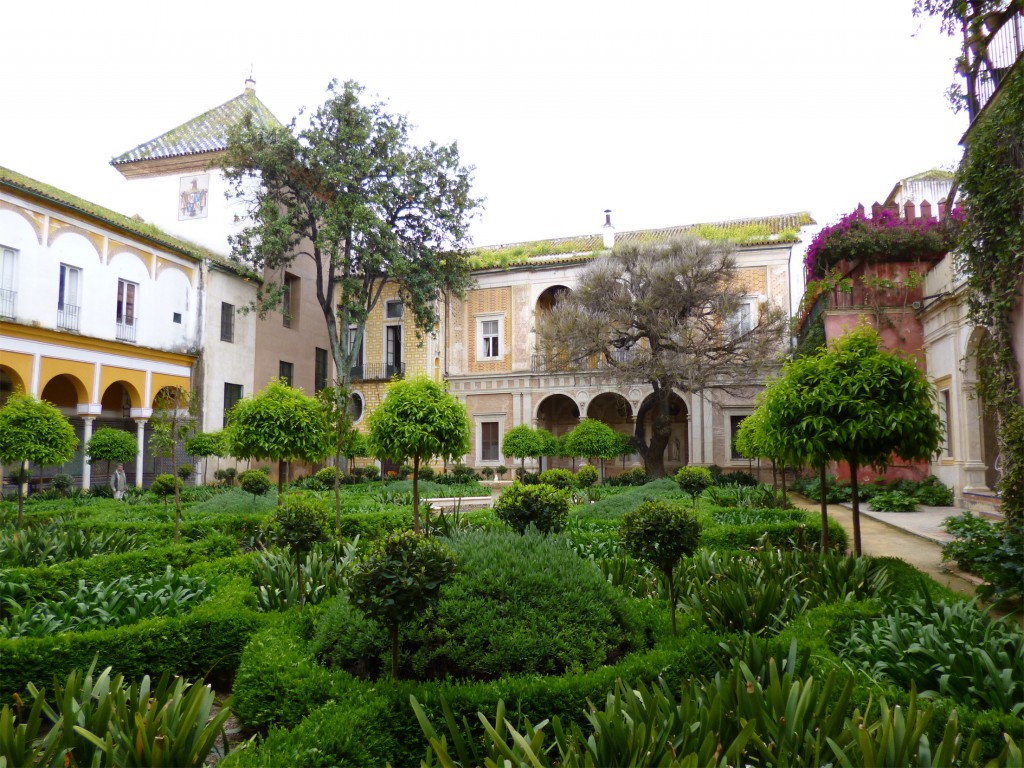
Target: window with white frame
x: 68, y: 301
x: 945, y: 416
x: 488, y: 333
x: 393, y: 363
x: 8, y: 293
x: 741, y: 320
x: 125, y: 314
x: 490, y: 442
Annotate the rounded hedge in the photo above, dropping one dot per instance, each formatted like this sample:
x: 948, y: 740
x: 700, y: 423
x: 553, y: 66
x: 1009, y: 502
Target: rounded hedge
x: 541, y: 506
x: 518, y: 604
x: 586, y: 476
x: 557, y: 478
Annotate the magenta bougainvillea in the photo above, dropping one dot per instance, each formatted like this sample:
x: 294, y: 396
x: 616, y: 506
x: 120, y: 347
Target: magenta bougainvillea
x: 886, y: 237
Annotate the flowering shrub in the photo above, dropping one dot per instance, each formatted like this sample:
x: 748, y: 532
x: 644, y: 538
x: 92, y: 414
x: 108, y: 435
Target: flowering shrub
x: 884, y: 237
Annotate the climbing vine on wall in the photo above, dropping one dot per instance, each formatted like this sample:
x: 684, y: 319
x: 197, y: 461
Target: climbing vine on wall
x: 991, y: 254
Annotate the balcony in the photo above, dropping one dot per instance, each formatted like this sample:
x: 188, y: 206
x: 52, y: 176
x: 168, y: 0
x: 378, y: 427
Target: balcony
x: 377, y: 372
x: 69, y: 317
x: 7, y: 303
x: 126, y: 331
x: 561, y: 363
x: 990, y: 51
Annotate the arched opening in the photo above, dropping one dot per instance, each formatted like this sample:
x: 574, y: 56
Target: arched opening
x: 66, y: 392
x: 615, y: 411
x: 117, y: 401
x: 558, y: 414
x: 547, y: 359
x: 10, y: 382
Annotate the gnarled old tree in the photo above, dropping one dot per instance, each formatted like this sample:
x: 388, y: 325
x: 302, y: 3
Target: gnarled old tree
x: 351, y: 194
x: 670, y: 315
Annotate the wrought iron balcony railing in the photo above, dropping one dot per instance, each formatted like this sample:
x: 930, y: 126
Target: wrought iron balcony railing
x: 554, y: 362
x: 126, y: 331
x: 377, y: 372
x: 7, y: 303
x: 68, y: 317
x: 990, y: 51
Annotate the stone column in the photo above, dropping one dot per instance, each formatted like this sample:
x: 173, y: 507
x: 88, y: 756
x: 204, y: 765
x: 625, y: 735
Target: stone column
x: 139, y: 460
x: 86, y: 466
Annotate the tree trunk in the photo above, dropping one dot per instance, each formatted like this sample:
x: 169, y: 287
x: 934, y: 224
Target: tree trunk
x: 416, y: 494
x: 824, y: 511
x: 672, y: 600
x: 775, y: 478
x: 280, y: 480
x: 854, y: 466
x: 21, y: 492
x: 653, y: 453
x: 785, y: 501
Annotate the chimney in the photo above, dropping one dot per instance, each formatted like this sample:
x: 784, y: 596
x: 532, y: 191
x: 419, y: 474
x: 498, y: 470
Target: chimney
x: 250, y: 85
x: 609, y: 229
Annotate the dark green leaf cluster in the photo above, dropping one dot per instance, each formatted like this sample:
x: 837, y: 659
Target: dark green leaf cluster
x: 299, y: 522
x: 164, y: 485
x: 254, y: 481
x: 56, y: 542
x: 400, y: 577
x: 893, y: 501
x: 562, y: 479
x: 586, y: 476
x: 541, y: 506
x: 34, y: 430
x: 693, y: 481
x: 660, y: 533
x: 113, y: 445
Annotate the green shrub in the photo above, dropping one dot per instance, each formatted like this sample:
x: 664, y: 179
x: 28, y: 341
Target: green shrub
x: 947, y: 649
x: 207, y: 639
x: 541, y: 506
x: 325, y: 478
x: 59, y: 541
x: 893, y: 501
x: 693, y: 481
x: 932, y: 492
x: 426, y: 473
x: 586, y: 476
x: 255, y: 482
x: 488, y: 473
x: 566, y: 616
x: 61, y: 483
x: 557, y: 478
x: 325, y: 570
x: 974, y: 538
x: 735, y: 478
x: 462, y: 474
x: 631, y: 477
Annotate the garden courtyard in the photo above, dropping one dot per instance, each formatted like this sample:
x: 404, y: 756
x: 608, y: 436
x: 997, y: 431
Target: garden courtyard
x: 537, y: 632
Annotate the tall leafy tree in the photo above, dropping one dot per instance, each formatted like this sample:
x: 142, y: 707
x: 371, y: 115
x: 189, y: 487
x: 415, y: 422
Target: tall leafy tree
x: 418, y: 420
x: 33, y: 430
x: 280, y: 424
x: 351, y: 194
x: 673, y: 315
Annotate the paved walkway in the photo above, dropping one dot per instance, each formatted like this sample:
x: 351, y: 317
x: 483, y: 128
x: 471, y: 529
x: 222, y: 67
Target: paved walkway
x: 914, y: 537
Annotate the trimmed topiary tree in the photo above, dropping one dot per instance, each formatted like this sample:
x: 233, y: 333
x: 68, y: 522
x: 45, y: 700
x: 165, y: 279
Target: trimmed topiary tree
x: 694, y: 481
x: 418, y: 420
x: 541, y: 506
x: 114, y: 446
x: 586, y: 476
x: 33, y: 430
x: 256, y: 482
x: 398, y: 579
x: 163, y: 486
x: 660, y: 533
x: 522, y: 442
x: 592, y: 439
x: 558, y: 478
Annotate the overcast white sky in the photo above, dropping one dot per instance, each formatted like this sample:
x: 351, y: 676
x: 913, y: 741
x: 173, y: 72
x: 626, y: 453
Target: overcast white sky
x: 669, y: 112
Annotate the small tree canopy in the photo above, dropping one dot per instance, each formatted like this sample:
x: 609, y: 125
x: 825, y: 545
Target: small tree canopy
x: 204, y: 444
x: 418, y: 420
x: 592, y: 438
x: 281, y: 424
x: 34, y: 430
x: 522, y: 442
x: 112, y: 445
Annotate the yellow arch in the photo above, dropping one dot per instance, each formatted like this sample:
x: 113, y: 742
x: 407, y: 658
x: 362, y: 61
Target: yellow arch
x: 77, y: 373
x: 134, y: 383
x: 35, y: 220
x: 18, y: 367
x: 58, y: 228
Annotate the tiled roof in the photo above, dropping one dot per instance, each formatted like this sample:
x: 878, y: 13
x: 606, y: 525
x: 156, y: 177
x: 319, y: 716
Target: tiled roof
x: 763, y: 230
x: 21, y: 183
x: 206, y: 133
